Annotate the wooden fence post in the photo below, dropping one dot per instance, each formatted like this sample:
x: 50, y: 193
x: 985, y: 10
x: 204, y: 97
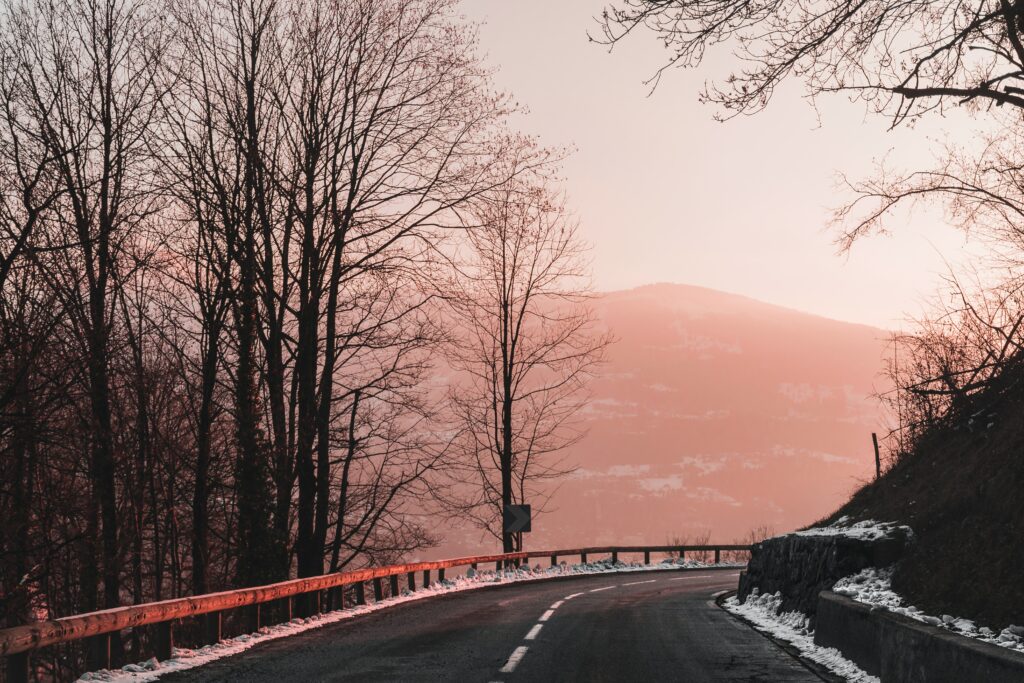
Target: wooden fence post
x: 615, y: 557
x: 647, y: 557
x: 378, y: 590
x: 718, y: 555
x: 583, y: 558
x: 878, y: 459
x: 394, y: 585
x: 412, y: 581
x: 554, y: 560
x: 360, y: 593
x: 440, y: 574
x: 426, y: 578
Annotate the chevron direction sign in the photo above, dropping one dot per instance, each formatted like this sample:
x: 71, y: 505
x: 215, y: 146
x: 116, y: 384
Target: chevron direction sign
x: 516, y: 519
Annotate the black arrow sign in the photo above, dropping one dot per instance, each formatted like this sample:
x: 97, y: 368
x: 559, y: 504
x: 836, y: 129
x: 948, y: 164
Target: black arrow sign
x: 516, y: 519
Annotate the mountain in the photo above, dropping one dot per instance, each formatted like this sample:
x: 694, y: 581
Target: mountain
x: 715, y: 413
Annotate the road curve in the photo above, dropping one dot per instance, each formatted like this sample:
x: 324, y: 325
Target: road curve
x: 642, y: 626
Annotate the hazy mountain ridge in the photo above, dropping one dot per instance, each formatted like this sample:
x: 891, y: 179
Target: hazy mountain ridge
x: 715, y: 412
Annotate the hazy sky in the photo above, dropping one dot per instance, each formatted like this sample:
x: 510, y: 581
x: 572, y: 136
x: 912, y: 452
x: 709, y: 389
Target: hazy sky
x: 667, y: 194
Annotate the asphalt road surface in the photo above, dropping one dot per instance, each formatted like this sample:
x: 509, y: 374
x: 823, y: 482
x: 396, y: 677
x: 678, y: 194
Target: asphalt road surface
x: 641, y: 626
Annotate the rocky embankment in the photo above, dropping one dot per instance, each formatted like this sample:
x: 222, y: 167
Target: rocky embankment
x: 801, y: 565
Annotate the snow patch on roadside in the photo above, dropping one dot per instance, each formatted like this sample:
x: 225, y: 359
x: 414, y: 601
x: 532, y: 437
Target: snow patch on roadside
x: 792, y: 627
x: 183, y: 659
x: 867, y: 530
x: 874, y: 587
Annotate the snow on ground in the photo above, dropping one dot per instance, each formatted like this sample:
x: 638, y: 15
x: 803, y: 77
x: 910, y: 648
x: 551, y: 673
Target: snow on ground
x: 874, y: 587
x: 792, y: 627
x: 867, y: 530
x: 187, y: 659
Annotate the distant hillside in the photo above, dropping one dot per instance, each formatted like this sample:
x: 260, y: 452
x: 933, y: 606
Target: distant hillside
x: 716, y: 412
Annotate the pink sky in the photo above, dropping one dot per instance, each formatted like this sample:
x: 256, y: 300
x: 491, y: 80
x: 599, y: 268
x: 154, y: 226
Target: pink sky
x: 666, y: 194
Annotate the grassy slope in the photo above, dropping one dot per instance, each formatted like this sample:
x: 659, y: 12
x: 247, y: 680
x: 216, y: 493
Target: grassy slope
x: 962, y: 492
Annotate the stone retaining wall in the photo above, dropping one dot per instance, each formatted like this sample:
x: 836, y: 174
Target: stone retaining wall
x: 800, y: 567
x: 900, y: 649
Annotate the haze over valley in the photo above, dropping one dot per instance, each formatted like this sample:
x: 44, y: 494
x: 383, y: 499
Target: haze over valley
x: 714, y: 413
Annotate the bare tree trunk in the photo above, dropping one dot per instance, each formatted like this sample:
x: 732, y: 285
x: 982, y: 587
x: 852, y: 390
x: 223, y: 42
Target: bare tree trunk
x: 200, y: 493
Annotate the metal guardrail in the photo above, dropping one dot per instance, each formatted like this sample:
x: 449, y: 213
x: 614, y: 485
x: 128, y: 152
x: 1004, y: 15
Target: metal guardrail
x: 319, y: 592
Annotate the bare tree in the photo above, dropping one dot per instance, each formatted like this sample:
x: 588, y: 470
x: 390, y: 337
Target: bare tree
x: 527, y: 344
x: 88, y: 73
x: 904, y: 59
x: 957, y: 363
x: 28, y: 188
x: 216, y: 141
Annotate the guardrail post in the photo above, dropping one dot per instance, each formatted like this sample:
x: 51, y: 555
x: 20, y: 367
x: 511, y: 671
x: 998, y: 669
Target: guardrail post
x: 718, y: 555
x: 378, y: 590
x: 394, y: 585
x: 360, y: 593
x: 615, y: 557
x: 333, y: 598
x: 412, y: 582
x: 473, y: 565
x: 647, y: 557
x: 290, y: 607
x: 426, y: 578
x: 213, y: 624
x: 98, y: 652
x: 17, y: 668
x: 682, y: 554
x: 554, y: 560
x: 583, y: 558
x: 164, y: 640
x: 440, y: 574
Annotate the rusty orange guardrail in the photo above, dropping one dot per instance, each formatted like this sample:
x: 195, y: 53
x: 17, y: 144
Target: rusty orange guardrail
x: 18, y: 641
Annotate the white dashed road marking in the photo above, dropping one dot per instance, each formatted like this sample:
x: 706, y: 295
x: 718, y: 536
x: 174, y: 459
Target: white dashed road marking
x: 520, y: 652
x: 513, y: 661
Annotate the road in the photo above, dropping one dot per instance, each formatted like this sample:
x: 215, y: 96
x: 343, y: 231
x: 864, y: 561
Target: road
x: 642, y: 626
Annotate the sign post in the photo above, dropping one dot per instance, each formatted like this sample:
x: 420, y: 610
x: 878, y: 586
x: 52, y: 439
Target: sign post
x: 515, y: 519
